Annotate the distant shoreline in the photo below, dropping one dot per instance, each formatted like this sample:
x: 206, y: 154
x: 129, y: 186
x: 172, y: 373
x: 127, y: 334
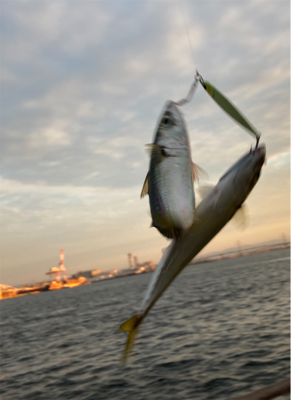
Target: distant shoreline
x: 216, y: 257
x: 241, y: 253
x: 237, y: 253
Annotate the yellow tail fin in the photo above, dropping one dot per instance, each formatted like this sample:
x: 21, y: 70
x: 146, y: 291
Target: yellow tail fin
x: 130, y: 326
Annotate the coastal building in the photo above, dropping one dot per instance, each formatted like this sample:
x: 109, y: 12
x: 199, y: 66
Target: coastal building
x: 135, y: 260
x: 145, y: 267
x: 130, y: 263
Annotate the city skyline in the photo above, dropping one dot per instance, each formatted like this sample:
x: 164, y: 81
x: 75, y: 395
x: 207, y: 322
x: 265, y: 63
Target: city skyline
x: 82, y: 88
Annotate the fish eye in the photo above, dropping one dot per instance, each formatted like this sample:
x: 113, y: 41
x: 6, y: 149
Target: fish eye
x: 168, y: 121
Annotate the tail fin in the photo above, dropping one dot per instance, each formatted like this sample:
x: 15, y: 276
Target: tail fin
x: 130, y: 326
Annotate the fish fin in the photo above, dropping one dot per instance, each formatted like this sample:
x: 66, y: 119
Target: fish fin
x: 159, y: 152
x: 198, y: 172
x: 241, y: 217
x: 152, y: 147
x: 130, y: 326
x: 145, y: 188
x: 170, y: 233
x: 205, y: 190
x: 153, y: 225
x: 177, y: 233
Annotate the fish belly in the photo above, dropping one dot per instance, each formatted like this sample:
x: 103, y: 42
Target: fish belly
x: 171, y: 195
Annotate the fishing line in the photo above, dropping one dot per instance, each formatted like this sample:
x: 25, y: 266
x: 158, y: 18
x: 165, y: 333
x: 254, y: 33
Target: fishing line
x: 187, y: 31
x: 193, y: 87
x: 215, y: 94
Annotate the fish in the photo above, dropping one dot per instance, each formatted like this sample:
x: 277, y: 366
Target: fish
x: 169, y: 182
x: 212, y: 214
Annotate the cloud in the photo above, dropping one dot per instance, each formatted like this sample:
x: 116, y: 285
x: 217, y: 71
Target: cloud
x: 280, y: 161
x: 49, y: 137
x: 68, y: 25
x: 82, y: 89
x: 116, y: 148
x: 182, y: 40
x: 266, y: 80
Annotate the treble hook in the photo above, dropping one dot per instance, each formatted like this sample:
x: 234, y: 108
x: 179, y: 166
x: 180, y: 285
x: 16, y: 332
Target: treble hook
x: 258, y: 136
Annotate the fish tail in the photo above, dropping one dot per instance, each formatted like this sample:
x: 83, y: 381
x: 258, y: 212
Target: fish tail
x: 130, y: 326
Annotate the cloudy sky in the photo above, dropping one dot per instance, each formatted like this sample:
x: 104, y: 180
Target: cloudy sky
x: 83, y: 84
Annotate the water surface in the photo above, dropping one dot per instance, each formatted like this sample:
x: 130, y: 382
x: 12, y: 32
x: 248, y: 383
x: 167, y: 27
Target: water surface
x: 220, y: 330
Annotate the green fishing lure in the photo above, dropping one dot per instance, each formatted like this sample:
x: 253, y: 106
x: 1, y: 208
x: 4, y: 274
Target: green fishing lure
x: 229, y: 108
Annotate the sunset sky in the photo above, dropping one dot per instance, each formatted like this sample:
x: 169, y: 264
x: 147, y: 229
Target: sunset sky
x: 82, y: 86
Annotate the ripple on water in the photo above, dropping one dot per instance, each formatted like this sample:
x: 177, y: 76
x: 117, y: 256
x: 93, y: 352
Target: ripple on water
x: 219, y: 331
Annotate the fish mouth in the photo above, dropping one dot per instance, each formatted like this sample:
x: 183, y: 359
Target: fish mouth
x: 260, y: 152
x: 170, y: 106
x: 260, y: 156
x: 172, y: 109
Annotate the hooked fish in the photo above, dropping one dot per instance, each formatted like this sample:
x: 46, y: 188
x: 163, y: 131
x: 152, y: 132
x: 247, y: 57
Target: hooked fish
x: 169, y: 182
x: 213, y: 213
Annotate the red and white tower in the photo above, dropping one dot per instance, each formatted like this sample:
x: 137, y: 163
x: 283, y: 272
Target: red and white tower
x: 57, y: 272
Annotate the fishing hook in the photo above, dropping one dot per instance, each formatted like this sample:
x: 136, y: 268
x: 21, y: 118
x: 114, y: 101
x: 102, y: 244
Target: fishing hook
x: 258, y: 136
x: 199, y: 78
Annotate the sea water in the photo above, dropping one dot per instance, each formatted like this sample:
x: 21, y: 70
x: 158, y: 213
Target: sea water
x: 219, y: 331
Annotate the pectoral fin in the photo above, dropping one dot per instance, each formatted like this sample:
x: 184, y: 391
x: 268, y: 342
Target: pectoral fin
x: 241, y: 217
x: 145, y: 188
x: 152, y: 147
x: 198, y: 172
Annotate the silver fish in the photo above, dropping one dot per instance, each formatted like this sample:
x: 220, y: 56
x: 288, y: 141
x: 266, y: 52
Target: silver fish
x: 212, y: 214
x: 169, y: 182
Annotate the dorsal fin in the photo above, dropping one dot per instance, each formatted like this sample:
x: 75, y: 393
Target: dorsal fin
x: 145, y: 188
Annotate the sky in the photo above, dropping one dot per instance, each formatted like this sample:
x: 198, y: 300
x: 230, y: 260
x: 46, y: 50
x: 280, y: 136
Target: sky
x: 82, y: 86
